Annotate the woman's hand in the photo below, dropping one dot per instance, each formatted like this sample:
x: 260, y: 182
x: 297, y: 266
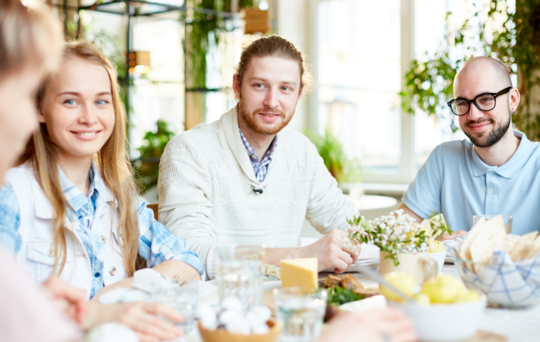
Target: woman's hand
x: 67, y: 298
x: 143, y: 318
x: 388, y: 325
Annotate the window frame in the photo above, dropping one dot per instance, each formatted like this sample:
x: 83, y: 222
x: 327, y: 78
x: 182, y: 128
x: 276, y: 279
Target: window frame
x: 407, y: 166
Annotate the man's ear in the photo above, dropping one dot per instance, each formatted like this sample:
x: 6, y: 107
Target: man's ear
x: 514, y: 98
x: 236, y: 86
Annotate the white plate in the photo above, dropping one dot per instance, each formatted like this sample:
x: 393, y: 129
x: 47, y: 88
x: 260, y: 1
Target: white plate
x: 375, y: 302
x: 270, y: 285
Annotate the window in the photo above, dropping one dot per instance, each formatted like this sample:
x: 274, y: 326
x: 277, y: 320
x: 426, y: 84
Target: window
x: 363, y: 49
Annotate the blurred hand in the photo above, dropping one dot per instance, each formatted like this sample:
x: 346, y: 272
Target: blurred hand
x: 446, y: 236
x: 67, y: 298
x: 143, y: 318
x: 388, y: 325
x: 330, y: 252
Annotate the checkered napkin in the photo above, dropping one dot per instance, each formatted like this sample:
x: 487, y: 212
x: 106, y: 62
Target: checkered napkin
x: 506, y: 282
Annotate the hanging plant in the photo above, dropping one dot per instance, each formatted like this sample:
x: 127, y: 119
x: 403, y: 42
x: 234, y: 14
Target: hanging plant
x: 203, y: 31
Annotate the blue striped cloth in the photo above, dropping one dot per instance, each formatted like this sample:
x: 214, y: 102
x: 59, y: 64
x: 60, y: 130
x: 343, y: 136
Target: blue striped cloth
x: 506, y: 282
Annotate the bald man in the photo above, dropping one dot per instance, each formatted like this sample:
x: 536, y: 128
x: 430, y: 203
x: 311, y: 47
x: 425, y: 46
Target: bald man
x: 495, y: 172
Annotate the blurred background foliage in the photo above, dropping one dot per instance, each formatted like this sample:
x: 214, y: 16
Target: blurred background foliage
x: 343, y: 168
x: 147, y: 166
x: 516, y: 44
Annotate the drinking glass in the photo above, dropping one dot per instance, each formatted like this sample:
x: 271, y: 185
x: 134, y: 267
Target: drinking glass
x: 301, y: 311
x: 459, y: 241
x: 229, y: 251
x: 506, y: 219
x: 182, y: 298
x: 242, y: 279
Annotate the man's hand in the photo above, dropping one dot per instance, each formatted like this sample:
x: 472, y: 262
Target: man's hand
x: 455, y: 234
x: 67, y: 298
x: 330, y: 252
x: 143, y: 318
x: 375, y: 326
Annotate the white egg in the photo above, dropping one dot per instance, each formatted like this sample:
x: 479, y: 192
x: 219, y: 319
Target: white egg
x: 232, y: 303
x: 237, y: 327
x: 207, y: 316
x: 262, y: 311
x: 260, y: 329
x: 230, y: 316
x: 209, y: 322
x: 253, y: 319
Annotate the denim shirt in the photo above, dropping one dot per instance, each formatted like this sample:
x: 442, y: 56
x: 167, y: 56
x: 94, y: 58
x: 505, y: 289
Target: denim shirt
x: 156, y: 242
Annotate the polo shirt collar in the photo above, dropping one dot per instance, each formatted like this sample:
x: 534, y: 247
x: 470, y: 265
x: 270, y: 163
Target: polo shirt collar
x: 512, y: 166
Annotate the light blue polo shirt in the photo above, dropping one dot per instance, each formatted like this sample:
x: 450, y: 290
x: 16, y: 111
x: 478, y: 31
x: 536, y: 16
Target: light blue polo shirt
x: 456, y: 182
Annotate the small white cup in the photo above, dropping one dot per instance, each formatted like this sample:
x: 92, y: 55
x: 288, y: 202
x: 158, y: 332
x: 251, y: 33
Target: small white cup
x: 439, y: 258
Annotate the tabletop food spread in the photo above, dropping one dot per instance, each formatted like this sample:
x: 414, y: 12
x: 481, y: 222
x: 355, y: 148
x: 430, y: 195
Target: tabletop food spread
x: 489, y: 292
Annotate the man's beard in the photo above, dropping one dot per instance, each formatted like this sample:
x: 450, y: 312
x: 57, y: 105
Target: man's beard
x: 251, y: 119
x: 494, y: 136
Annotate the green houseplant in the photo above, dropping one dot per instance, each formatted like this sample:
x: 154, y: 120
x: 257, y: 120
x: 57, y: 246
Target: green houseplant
x: 340, y: 166
x: 147, y: 166
x: 515, y: 43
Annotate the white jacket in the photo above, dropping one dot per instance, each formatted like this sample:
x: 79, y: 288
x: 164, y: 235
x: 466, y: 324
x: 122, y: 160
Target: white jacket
x: 36, y: 213
x: 206, y: 193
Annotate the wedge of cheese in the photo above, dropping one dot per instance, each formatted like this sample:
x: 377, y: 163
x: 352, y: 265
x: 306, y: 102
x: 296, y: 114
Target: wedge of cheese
x: 299, y: 272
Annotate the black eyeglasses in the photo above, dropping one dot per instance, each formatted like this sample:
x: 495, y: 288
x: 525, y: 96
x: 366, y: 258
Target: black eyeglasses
x: 484, y: 102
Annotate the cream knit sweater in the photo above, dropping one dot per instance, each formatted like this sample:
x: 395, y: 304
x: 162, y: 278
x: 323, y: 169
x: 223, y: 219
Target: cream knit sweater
x: 206, y: 182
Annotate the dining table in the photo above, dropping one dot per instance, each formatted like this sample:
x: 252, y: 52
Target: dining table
x: 512, y: 325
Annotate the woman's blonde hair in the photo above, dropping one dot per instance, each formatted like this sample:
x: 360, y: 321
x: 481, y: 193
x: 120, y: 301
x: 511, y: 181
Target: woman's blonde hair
x: 112, y: 161
x: 28, y: 36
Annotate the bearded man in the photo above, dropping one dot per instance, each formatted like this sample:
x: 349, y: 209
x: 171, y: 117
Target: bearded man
x: 496, y: 172
x: 242, y: 180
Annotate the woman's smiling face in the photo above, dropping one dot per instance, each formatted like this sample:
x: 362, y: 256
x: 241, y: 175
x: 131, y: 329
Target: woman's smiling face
x: 78, y: 108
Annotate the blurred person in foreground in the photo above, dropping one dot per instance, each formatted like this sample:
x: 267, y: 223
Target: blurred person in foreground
x: 243, y: 179
x: 71, y: 207
x: 389, y: 325
x: 495, y: 172
x: 30, y: 47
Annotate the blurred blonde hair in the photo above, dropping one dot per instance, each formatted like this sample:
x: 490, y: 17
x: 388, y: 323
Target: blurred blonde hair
x: 28, y: 36
x: 112, y: 161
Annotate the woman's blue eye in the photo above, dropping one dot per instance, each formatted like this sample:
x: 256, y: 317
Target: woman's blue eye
x: 101, y: 102
x: 70, y: 102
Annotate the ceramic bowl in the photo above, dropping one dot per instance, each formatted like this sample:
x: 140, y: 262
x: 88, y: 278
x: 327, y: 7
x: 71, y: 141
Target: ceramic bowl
x: 444, y: 322
x: 220, y: 335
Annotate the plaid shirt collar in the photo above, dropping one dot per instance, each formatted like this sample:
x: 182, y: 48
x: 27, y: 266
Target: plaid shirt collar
x: 259, y: 167
x: 75, y: 197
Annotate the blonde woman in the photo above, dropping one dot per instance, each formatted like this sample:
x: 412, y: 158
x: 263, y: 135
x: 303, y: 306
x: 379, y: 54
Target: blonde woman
x: 71, y: 207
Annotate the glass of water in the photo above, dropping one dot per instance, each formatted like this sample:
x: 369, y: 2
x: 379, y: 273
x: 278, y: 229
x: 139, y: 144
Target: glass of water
x: 228, y: 251
x: 242, y: 279
x: 506, y: 219
x: 301, y: 311
x: 182, y: 298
